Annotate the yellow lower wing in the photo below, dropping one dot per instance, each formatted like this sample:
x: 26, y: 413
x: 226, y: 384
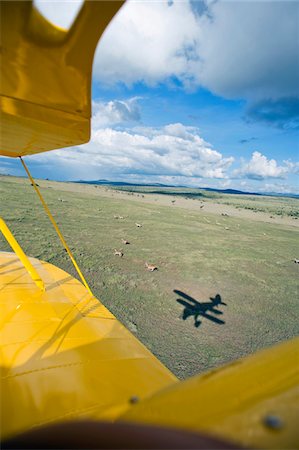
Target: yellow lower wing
x: 64, y: 355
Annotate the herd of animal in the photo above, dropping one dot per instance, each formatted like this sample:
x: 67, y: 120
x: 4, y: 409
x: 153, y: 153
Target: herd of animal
x: 152, y: 267
x: 149, y: 267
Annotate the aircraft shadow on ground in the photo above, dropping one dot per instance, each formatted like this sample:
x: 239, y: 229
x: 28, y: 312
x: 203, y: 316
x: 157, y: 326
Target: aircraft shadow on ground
x: 208, y: 310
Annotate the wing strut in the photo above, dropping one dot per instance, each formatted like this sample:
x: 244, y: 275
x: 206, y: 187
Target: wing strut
x: 21, y: 255
x: 56, y: 227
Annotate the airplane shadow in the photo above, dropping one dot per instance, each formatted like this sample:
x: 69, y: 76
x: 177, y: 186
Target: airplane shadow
x: 208, y: 310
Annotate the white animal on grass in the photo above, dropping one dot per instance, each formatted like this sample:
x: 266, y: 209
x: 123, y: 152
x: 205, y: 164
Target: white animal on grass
x: 118, y: 253
x: 138, y: 225
x: 125, y: 242
x: 151, y: 267
x: 296, y: 261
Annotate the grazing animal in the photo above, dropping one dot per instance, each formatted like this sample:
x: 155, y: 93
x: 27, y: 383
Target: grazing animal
x: 151, y: 267
x: 296, y: 261
x: 118, y: 253
x: 138, y: 225
x: 125, y: 242
x: 201, y: 206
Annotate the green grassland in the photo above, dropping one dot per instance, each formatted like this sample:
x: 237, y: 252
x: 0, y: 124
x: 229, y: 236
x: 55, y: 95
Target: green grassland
x: 248, y: 263
x: 280, y: 206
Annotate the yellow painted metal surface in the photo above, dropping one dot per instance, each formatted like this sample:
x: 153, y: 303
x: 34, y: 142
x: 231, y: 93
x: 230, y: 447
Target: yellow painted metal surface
x: 63, y: 354
x: 46, y: 76
x: 253, y: 401
x: 21, y: 255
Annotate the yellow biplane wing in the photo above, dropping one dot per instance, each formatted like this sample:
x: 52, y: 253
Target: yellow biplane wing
x: 46, y: 76
x: 63, y: 354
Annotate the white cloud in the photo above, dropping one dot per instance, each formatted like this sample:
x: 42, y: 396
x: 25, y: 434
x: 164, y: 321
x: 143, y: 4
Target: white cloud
x: 250, y: 49
x: 293, y: 167
x: 236, y: 49
x: 260, y: 167
x: 171, y: 151
x: 279, y: 188
x: 10, y: 166
x: 60, y: 13
x: 147, y: 41
x: 115, y: 112
x: 4, y: 170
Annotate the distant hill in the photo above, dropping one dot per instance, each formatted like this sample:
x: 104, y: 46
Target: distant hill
x: 230, y: 191
x: 220, y: 191
x: 123, y: 183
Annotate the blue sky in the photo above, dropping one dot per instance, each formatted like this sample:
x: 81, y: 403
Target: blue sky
x: 200, y: 93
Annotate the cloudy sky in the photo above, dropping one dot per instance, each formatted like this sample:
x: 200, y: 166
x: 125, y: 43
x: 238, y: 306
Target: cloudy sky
x: 196, y: 93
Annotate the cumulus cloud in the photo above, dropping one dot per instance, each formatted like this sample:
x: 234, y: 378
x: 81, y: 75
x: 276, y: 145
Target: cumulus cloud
x: 149, y: 42
x: 236, y: 49
x: 250, y: 49
x: 293, y: 167
x: 4, y: 166
x: 170, y: 151
x: 10, y: 166
x: 260, y: 167
x: 266, y: 187
x: 279, y: 188
x: 115, y: 112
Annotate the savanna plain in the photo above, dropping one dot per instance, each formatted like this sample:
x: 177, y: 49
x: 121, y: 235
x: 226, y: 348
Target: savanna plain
x: 226, y: 282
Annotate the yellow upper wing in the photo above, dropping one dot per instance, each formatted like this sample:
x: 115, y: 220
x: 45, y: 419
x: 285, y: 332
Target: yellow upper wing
x: 46, y: 76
